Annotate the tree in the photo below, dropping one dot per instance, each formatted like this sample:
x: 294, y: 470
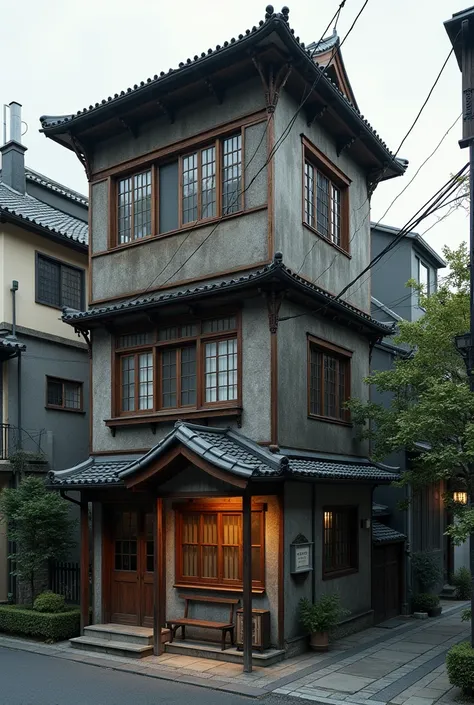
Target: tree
x: 38, y: 521
x: 430, y: 396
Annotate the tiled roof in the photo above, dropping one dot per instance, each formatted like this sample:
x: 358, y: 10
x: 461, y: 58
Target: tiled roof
x: 385, y: 534
x: 324, y: 44
x: 271, y: 272
x: 227, y: 450
x: 48, y: 183
x: 12, y: 344
x: 273, y: 22
x: 30, y: 209
x: 379, y: 510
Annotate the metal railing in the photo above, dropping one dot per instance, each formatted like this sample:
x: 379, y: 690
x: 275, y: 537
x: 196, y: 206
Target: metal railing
x: 13, y: 439
x: 65, y: 579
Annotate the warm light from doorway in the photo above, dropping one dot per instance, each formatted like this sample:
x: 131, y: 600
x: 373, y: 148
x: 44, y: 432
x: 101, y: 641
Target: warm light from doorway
x: 327, y: 520
x: 460, y: 497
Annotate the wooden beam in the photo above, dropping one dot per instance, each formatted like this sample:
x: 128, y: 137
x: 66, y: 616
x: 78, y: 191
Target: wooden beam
x: 281, y: 569
x: 159, y: 577
x: 247, y: 579
x: 84, y: 571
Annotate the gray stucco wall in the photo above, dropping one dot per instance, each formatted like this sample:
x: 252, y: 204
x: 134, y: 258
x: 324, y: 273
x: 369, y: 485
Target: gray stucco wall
x: 324, y: 263
x: 296, y: 430
x: 354, y: 589
x: 255, y: 387
x: 64, y: 436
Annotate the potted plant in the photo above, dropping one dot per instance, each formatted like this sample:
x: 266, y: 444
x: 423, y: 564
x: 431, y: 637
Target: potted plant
x: 424, y: 602
x: 319, y: 618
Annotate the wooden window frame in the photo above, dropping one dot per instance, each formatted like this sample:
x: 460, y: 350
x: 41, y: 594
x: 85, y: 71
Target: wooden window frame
x: 337, y: 178
x: 353, y: 541
x: 153, y: 186
x: 135, y: 353
x: 157, y: 346
x: 180, y: 154
x: 218, y: 583
x: 61, y: 264
x: 62, y: 407
x: 343, y: 355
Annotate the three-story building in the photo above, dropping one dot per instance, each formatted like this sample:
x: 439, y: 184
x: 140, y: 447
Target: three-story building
x: 229, y: 206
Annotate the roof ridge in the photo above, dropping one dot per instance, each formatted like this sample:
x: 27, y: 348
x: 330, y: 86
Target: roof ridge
x: 56, y: 186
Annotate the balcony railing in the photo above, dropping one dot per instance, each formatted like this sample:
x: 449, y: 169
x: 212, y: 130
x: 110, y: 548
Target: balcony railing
x: 13, y: 439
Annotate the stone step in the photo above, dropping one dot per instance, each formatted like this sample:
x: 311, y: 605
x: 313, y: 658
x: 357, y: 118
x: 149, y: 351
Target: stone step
x: 120, y: 632
x: 116, y: 648
x: 231, y: 654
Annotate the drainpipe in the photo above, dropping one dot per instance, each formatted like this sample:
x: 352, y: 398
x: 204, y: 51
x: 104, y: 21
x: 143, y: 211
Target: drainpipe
x: 14, y: 289
x: 313, y: 535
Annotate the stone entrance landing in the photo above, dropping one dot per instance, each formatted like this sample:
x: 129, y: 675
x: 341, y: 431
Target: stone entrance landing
x: 118, y: 640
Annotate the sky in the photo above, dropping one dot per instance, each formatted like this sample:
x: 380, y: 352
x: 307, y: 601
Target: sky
x: 62, y: 55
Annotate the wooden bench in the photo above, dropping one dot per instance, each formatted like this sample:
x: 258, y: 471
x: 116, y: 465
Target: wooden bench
x: 175, y: 624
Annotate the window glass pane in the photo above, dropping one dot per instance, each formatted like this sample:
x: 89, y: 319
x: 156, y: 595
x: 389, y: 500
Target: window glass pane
x: 188, y: 376
x: 142, y: 205
x: 190, y: 538
x: 168, y: 378
x: 126, y: 541
x: 342, y: 389
x: 340, y: 539
x: 330, y: 364
x: 232, y: 529
x: 221, y: 370
x: 124, y: 219
x: 309, y: 193
x: 336, y: 215
x: 424, y: 277
x: 72, y: 395
x: 216, y: 325
x: 169, y: 206
x: 168, y: 333
x: 173, y: 332
x: 190, y: 188
x: 322, y: 204
x: 128, y: 383
x: 210, y: 372
x: 208, y: 182
x: 55, y: 392
x: 150, y: 543
x: 71, y: 287
x: 145, y: 378
x: 231, y: 567
x: 231, y: 174
x: 49, y: 277
x: 315, y: 381
x: 131, y: 340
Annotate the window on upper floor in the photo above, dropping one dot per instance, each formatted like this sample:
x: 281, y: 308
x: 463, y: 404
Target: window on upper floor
x: 195, y: 187
x: 63, y: 394
x: 325, y: 197
x: 328, y: 381
x: 340, y: 541
x: 191, y: 365
x: 58, y: 284
x: 424, y: 277
x: 209, y: 546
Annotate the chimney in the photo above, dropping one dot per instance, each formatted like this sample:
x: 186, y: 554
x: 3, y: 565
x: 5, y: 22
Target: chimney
x: 13, y: 153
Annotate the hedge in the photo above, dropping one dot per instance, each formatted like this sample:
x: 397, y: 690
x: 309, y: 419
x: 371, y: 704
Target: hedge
x: 16, y: 619
x: 460, y: 666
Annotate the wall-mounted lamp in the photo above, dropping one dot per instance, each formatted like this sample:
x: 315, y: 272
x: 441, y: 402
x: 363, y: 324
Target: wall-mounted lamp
x: 460, y: 497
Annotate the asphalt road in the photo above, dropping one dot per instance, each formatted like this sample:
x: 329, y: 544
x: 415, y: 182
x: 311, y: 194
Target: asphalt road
x: 33, y: 679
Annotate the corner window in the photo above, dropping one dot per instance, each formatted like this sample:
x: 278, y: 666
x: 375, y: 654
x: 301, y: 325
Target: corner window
x: 329, y: 380
x: 63, y: 394
x: 340, y: 541
x: 58, y: 284
x: 209, y: 545
x: 325, y: 202
x: 188, y: 365
x: 424, y: 277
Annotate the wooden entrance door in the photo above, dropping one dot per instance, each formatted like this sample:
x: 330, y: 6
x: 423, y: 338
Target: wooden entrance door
x: 132, y: 568
x: 386, y: 581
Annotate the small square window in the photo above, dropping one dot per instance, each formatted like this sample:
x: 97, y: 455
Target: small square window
x: 63, y: 394
x: 58, y: 284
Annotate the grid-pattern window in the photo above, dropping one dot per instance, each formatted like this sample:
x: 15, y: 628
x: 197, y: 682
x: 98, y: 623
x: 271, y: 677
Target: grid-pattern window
x: 59, y: 284
x: 192, y: 364
x: 340, y: 538
x: 134, y: 207
x: 221, y: 370
x: 63, y: 394
x: 309, y: 194
x: 190, y: 188
x: 126, y: 539
x: 231, y: 174
x: 328, y: 383
x: 150, y: 544
x: 209, y: 544
x: 208, y: 182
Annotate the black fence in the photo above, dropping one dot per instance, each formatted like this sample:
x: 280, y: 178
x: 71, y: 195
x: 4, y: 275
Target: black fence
x: 64, y: 579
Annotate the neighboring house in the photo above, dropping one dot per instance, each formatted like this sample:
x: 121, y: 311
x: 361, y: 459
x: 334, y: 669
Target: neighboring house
x: 221, y: 358
x: 423, y: 523
x: 44, y: 365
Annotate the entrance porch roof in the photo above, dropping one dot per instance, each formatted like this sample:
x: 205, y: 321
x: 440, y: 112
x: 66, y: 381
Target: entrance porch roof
x: 229, y: 453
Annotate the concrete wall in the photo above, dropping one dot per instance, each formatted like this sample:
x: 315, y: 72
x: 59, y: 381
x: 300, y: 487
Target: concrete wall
x: 303, y: 250
x: 255, y: 387
x: 63, y: 435
x: 354, y: 589
x: 18, y: 261
x: 296, y: 430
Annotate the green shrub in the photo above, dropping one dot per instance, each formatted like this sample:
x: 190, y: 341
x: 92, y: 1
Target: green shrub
x: 427, y: 571
x: 424, y: 602
x: 323, y: 615
x: 462, y: 582
x: 16, y: 619
x: 460, y: 666
x: 49, y: 602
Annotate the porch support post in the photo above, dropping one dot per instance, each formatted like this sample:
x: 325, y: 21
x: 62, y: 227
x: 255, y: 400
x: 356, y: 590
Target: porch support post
x: 158, y: 577
x: 247, y: 576
x: 84, y: 564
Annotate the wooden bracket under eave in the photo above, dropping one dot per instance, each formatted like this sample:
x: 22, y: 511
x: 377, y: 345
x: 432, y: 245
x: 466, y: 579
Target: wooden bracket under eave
x: 129, y: 126
x: 81, y: 154
x: 344, y: 144
x: 273, y: 83
x: 215, y: 90
x: 167, y: 110
x: 316, y: 113
x: 87, y: 337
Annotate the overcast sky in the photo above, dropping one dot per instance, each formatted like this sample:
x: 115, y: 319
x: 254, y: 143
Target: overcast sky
x: 62, y: 55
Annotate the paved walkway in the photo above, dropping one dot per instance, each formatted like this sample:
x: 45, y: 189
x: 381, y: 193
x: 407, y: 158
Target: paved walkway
x: 403, y: 666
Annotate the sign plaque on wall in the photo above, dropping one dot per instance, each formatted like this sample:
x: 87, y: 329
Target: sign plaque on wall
x: 301, y: 555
